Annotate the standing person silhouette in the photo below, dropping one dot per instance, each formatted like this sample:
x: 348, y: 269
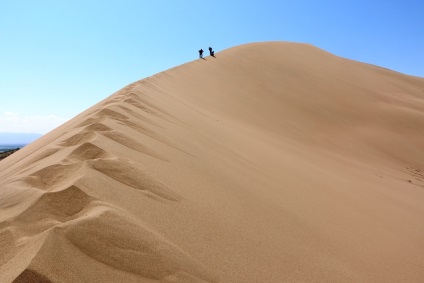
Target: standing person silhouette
x: 211, y: 52
x: 201, y: 53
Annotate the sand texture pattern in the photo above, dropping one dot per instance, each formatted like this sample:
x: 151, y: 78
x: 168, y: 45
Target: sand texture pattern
x: 272, y: 162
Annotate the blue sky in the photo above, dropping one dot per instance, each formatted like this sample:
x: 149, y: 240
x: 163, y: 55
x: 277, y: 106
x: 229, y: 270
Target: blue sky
x: 59, y: 57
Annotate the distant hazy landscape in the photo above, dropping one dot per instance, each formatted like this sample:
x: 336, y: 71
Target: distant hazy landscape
x: 7, y: 152
x: 7, y: 147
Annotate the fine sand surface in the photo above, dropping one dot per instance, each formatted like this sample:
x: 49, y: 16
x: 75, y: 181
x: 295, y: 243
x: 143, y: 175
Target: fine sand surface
x: 273, y: 162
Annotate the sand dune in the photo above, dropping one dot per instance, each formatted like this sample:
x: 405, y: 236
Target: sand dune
x: 273, y: 162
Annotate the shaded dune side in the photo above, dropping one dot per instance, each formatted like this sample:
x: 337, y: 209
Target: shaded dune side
x: 32, y: 276
x: 73, y: 167
x: 87, y: 151
x: 94, y: 119
x: 53, y: 176
x: 66, y: 217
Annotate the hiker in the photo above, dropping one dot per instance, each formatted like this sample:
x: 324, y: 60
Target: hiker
x: 201, y: 53
x: 211, y: 52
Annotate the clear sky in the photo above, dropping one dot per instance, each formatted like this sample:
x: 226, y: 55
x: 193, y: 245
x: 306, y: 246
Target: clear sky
x: 59, y: 57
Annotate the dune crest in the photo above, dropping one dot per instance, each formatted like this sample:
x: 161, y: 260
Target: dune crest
x: 272, y: 162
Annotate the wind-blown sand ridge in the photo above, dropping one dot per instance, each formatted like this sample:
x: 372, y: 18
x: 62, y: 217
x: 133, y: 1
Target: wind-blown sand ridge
x: 273, y: 162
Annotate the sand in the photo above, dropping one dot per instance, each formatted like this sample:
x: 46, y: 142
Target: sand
x: 273, y: 162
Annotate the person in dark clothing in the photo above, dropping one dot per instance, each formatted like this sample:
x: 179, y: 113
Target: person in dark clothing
x: 211, y: 52
x: 201, y: 53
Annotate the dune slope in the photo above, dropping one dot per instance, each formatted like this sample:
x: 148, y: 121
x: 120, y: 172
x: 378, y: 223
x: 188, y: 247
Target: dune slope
x: 272, y: 162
